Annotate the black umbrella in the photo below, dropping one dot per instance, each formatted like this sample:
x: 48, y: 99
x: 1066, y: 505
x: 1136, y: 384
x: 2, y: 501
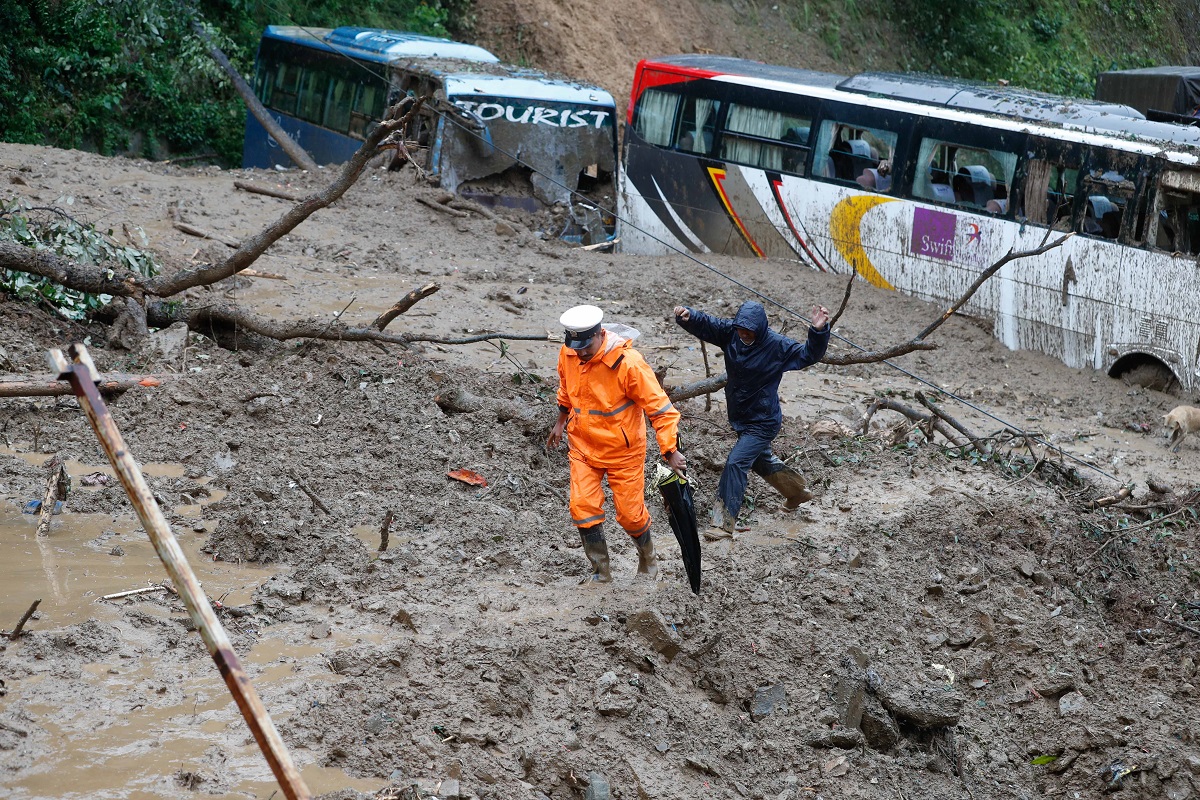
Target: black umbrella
x: 681, y: 513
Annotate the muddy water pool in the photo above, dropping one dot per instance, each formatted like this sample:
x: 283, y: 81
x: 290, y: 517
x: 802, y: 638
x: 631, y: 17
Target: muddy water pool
x: 134, y: 721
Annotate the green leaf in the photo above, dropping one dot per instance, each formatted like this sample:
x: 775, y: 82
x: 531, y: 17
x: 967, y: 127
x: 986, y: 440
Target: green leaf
x: 1043, y: 760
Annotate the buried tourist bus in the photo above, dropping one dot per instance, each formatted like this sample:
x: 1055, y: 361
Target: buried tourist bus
x: 499, y: 134
x: 918, y: 184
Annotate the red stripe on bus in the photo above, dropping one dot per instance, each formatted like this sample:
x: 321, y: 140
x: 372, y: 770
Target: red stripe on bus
x: 776, y: 185
x: 718, y: 179
x: 649, y: 75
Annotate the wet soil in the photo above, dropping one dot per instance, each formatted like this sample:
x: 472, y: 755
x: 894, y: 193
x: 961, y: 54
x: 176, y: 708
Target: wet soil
x: 1040, y: 638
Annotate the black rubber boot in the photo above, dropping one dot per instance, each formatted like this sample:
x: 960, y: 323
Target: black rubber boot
x: 647, y: 560
x: 596, y: 550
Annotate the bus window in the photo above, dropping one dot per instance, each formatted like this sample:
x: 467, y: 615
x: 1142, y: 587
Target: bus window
x: 971, y: 177
x: 1179, y: 214
x: 848, y: 153
x: 281, y: 94
x: 337, y: 107
x: 764, y: 138
x: 655, y: 117
x: 311, y: 96
x: 697, y: 125
x: 1049, y: 193
x: 368, y: 105
x: 1108, y: 194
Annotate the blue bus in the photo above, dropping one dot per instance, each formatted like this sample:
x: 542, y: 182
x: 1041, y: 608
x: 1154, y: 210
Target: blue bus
x: 500, y: 134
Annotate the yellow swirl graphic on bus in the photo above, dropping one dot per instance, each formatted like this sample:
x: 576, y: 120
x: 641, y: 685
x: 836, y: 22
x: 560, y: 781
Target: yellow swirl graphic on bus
x: 845, y: 227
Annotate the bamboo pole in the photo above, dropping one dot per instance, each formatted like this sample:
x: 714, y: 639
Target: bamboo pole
x: 83, y: 378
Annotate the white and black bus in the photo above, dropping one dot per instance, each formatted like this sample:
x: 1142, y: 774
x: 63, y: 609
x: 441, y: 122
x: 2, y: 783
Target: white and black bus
x: 918, y: 184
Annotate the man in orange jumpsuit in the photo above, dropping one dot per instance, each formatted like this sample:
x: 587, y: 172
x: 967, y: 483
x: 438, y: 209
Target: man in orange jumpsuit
x: 606, y: 390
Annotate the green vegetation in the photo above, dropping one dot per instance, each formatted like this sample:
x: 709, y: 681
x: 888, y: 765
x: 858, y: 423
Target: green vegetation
x: 129, y: 76
x: 49, y: 229
x: 1051, y: 45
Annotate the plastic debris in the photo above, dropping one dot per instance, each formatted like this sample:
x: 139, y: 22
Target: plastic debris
x: 468, y: 476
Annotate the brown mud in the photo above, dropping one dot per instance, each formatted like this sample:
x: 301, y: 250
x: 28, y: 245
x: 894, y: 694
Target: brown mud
x: 977, y: 616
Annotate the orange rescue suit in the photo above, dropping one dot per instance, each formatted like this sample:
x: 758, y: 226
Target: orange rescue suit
x: 608, y: 399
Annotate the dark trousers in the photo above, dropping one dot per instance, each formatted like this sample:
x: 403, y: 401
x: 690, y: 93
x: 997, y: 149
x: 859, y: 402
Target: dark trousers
x: 752, y: 452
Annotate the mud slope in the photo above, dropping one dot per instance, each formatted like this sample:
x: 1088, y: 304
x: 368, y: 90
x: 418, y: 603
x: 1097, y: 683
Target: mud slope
x: 932, y: 627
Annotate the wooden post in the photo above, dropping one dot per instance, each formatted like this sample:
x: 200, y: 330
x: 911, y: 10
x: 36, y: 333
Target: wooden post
x: 83, y: 378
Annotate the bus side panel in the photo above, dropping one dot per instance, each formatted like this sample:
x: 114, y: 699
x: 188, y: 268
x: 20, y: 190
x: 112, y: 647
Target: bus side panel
x: 675, y: 197
x: 261, y: 151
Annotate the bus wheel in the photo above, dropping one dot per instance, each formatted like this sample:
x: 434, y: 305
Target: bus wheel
x: 1152, y: 375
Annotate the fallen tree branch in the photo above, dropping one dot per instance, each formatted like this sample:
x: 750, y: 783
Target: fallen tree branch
x: 845, y: 300
x: 983, y: 276
x: 876, y: 356
x: 192, y: 230
x: 706, y: 386
x: 311, y: 495
x: 24, y: 618
x: 1122, y: 493
x: 928, y: 420
x: 132, y: 592
x: 436, y: 206
x: 51, y: 386
x: 58, y: 484
x: 290, y: 146
x: 255, y: 188
x: 403, y: 305
x: 104, y: 279
x: 952, y: 422
x: 209, y: 319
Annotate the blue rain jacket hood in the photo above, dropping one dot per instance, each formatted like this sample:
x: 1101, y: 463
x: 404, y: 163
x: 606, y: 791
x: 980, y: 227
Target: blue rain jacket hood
x: 755, y: 370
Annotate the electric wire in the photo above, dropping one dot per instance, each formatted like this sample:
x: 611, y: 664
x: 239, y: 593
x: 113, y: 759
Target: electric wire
x: 729, y: 278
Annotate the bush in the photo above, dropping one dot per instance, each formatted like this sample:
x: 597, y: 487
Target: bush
x: 130, y: 77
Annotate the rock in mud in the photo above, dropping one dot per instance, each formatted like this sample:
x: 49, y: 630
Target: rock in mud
x: 877, y: 725
x: 843, y: 738
x: 923, y: 706
x: 654, y: 628
x: 613, y: 697
x: 1072, y: 704
x: 768, y: 700
x: 598, y: 788
x: 167, y: 345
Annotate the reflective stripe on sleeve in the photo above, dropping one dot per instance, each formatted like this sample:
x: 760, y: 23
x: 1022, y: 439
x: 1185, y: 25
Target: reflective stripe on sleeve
x: 614, y: 412
x: 662, y: 410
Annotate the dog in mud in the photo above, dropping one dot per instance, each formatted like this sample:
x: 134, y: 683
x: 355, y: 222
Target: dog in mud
x: 1181, y: 421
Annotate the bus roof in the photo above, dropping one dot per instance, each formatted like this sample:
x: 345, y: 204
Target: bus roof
x: 380, y: 46
x: 527, y: 88
x: 1111, y: 119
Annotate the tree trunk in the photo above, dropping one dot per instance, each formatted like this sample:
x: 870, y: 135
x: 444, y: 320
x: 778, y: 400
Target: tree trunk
x: 294, y: 151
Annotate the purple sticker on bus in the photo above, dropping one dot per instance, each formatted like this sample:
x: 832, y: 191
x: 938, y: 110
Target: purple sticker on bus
x: 933, y: 233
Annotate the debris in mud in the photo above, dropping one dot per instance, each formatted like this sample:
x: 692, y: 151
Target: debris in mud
x: 467, y: 476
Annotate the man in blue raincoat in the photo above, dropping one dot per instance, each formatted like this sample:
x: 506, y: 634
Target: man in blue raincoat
x: 755, y: 359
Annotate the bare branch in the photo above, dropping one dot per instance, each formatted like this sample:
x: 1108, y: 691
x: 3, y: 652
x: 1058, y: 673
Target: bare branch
x: 255, y: 188
x: 958, y: 426
x: 921, y: 418
x: 706, y: 386
x: 983, y: 276
x: 845, y: 300
x: 877, y: 356
x: 254, y: 246
x: 404, y: 304
x: 221, y: 316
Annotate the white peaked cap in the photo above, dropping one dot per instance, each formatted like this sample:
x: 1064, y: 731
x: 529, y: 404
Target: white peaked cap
x: 581, y: 318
